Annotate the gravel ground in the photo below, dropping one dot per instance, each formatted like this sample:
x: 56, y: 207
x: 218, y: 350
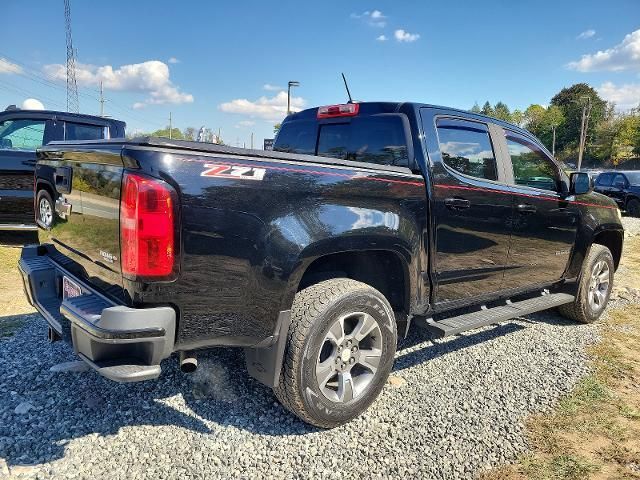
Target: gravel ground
x: 451, y: 408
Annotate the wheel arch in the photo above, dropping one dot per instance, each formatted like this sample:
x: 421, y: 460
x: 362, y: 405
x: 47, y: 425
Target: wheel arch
x: 613, y: 240
x: 385, y: 270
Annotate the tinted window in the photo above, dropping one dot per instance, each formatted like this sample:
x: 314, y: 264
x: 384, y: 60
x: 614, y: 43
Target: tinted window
x: 619, y: 181
x: 375, y: 139
x: 81, y: 131
x: 466, y: 147
x: 21, y: 134
x: 604, y: 180
x: 531, y: 167
x: 297, y: 137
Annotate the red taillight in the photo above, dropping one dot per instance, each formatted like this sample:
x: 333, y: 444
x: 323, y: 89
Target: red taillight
x: 344, y: 110
x: 147, y: 228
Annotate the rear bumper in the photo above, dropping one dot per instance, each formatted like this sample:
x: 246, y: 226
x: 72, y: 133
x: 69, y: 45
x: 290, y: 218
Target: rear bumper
x: 121, y: 343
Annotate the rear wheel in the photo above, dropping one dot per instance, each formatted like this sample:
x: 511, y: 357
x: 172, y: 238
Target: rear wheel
x: 633, y: 207
x: 44, y: 208
x: 596, y: 281
x: 339, y: 353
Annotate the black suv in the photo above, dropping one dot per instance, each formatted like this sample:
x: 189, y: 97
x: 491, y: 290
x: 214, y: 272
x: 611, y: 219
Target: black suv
x: 21, y: 133
x: 623, y: 187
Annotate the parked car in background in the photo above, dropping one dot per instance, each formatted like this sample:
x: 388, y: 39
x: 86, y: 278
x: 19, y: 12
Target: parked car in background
x: 21, y: 133
x: 623, y: 187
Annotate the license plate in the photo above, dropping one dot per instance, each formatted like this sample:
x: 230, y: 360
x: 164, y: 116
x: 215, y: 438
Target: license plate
x: 70, y: 288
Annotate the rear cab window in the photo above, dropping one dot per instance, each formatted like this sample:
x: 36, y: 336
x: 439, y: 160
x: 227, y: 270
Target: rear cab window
x: 380, y: 139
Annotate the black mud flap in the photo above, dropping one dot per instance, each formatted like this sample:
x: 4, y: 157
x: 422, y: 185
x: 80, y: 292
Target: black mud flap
x: 265, y: 362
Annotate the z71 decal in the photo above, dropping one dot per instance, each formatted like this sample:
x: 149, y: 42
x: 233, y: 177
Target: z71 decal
x: 233, y: 172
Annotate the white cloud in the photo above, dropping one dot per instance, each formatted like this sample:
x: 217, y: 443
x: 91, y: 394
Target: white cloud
x: 32, y: 104
x: 271, y: 88
x: 375, y: 18
x: 586, y: 34
x: 151, y: 77
x: 7, y: 67
x: 624, y: 96
x: 624, y: 56
x: 403, y: 36
x: 245, y: 123
x: 173, y: 60
x: 273, y: 108
x: 382, y: 38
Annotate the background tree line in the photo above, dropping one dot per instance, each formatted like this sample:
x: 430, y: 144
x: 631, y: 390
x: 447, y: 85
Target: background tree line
x: 189, y: 133
x: 612, y: 138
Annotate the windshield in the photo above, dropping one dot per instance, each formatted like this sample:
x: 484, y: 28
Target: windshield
x: 22, y: 134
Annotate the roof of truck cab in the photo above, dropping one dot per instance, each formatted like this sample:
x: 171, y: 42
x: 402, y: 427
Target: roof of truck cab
x: 19, y: 113
x: 372, y: 108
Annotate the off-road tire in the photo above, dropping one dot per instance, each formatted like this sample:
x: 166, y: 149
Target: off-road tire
x: 580, y: 310
x: 633, y: 207
x: 313, y: 312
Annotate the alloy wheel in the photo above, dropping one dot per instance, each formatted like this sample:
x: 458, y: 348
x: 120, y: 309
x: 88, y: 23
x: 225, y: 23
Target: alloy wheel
x: 349, y: 357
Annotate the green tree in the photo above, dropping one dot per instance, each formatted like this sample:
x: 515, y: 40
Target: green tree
x: 176, y: 134
x: 190, y: 133
x: 501, y: 112
x: 487, y: 109
x: 276, y: 128
x: 571, y: 101
x: 476, y: 108
x: 517, y: 117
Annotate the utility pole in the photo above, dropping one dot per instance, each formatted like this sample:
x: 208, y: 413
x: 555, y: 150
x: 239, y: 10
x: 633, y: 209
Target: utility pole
x: 586, y: 113
x: 170, y: 126
x: 251, y: 140
x: 553, y: 144
x: 101, y: 99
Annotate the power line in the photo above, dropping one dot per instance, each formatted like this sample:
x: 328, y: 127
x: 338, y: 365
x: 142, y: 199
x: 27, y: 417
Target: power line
x: 52, y: 82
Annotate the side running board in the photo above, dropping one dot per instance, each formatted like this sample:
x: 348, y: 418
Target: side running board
x: 488, y: 316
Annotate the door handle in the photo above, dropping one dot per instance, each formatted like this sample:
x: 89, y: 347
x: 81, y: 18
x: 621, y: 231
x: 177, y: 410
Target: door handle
x: 456, y: 203
x: 525, y: 208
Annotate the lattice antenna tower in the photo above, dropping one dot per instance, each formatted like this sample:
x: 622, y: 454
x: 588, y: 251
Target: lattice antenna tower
x: 73, y: 104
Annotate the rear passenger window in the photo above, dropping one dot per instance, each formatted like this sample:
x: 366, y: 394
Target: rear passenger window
x: 466, y: 147
x: 531, y: 167
x: 81, y: 131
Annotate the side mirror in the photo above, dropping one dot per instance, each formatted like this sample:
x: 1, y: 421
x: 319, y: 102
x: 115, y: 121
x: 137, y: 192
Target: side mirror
x: 580, y: 183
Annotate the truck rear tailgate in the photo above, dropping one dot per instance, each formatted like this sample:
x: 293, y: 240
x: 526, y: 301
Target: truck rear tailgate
x: 86, y: 188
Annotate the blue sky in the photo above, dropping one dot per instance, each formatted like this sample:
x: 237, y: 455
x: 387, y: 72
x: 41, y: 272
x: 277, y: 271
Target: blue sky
x: 223, y: 64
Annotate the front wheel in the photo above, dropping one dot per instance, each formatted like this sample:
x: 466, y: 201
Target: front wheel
x: 44, y: 208
x: 633, y: 207
x: 594, y: 289
x: 339, y: 352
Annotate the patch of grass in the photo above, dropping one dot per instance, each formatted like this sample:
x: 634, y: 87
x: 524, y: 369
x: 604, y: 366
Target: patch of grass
x: 8, y: 325
x: 594, y: 432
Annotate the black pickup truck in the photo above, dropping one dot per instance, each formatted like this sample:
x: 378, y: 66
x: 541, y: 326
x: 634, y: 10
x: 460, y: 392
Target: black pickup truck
x: 21, y: 133
x: 315, y: 257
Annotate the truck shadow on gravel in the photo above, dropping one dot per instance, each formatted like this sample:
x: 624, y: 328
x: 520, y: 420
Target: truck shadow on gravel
x: 42, y: 411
